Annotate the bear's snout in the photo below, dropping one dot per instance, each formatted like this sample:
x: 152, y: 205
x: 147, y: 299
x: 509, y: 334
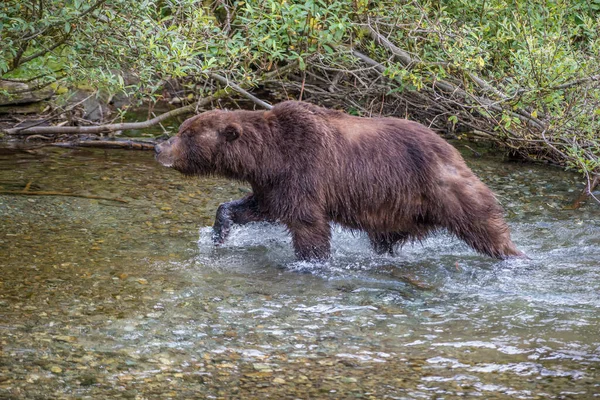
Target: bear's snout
x: 164, y: 153
x: 159, y: 148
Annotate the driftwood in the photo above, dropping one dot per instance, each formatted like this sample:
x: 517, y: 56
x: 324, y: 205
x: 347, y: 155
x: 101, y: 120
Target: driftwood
x: 108, y: 144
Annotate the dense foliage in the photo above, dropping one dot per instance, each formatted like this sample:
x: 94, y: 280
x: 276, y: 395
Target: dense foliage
x: 525, y: 74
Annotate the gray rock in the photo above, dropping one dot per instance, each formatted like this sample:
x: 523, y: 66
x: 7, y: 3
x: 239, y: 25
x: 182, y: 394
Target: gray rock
x: 19, y: 93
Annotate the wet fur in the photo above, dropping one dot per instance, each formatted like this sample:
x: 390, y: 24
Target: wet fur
x: 308, y: 166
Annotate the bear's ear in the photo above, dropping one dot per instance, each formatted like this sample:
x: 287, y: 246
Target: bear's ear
x: 231, y: 132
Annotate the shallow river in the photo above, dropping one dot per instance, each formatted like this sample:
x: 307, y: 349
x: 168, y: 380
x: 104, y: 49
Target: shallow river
x: 104, y: 299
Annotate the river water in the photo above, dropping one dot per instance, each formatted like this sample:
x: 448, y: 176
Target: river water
x: 106, y: 299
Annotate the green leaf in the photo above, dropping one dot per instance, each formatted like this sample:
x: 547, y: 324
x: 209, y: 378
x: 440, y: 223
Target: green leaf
x: 301, y: 64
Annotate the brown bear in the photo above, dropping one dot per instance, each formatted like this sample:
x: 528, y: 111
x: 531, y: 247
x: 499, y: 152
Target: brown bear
x: 309, y: 166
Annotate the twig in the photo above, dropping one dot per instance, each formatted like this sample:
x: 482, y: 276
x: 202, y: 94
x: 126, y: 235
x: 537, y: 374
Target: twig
x: 303, y: 85
x: 585, y: 193
x: 33, y: 78
x: 52, y: 116
x: 51, y: 193
x: 576, y: 82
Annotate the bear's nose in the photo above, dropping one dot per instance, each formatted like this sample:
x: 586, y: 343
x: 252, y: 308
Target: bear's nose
x: 157, y: 149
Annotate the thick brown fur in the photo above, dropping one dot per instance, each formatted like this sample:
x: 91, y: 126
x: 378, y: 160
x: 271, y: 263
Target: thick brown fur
x: 308, y: 166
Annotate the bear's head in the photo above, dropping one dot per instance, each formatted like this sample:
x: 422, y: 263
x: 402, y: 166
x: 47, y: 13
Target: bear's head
x: 200, y: 142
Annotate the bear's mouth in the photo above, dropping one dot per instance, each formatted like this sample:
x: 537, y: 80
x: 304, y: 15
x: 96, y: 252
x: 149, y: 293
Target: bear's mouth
x: 163, y: 154
x: 162, y: 161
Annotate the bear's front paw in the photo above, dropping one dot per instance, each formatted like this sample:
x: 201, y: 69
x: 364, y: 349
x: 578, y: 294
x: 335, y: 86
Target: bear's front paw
x: 219, y: 236
x: 222, y: 224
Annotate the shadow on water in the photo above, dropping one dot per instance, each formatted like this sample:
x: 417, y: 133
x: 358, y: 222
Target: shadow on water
x: 103, y: 299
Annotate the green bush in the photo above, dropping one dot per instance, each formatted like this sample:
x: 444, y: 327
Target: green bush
x: 527, y: 71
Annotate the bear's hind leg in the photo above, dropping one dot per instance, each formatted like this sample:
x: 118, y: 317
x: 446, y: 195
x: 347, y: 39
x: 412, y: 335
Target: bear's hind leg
x: 239, y: 212
x: 475, y: 217
x: 489, y: 236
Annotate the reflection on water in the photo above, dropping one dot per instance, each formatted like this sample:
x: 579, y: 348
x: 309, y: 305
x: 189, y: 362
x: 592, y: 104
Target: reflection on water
x: 103, y: 299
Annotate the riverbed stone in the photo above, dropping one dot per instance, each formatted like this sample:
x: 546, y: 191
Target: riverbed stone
x: 354, y: 328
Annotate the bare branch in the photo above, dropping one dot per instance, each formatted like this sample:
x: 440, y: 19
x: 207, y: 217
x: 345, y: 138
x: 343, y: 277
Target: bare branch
x: 115, y: 127
x: 33, y: 78
x: 238, y: 89
x: 400, y: 54
x: 576, y: 82
x: 367, y: 60
x: 39, y: 53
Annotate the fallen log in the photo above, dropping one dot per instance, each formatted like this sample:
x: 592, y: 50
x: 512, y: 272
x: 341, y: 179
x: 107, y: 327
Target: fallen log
x: 108, y: 144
